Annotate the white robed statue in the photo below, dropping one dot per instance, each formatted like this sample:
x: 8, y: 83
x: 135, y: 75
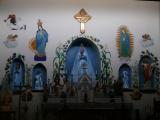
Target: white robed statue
x: 82, y: 65
x: 38, y: 82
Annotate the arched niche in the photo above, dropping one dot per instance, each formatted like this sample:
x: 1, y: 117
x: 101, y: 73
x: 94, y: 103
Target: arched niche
x: 125, y: 74
x: 39, y: 77
x: 73, y: 59
x: 146, y: 72
x: 17, y: 74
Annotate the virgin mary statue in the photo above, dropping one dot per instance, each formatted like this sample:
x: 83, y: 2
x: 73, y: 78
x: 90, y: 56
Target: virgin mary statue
x: 41, y: 40
x: 82, y: 65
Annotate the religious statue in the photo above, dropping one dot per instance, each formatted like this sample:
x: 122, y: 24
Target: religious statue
x: 125, y: 79
x: 41, y: 40
x: 38, y: 81
x: 82, y: 65
x: 83, y: 60
x: 38, y: 43
x: 125, y: 75
x: 17, y: 74
x: 147, y: 72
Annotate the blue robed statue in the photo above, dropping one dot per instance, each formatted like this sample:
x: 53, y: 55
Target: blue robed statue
x: 41, y: 40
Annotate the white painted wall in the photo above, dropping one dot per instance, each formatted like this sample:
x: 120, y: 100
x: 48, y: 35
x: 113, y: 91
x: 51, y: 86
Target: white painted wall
x: 57, y: 16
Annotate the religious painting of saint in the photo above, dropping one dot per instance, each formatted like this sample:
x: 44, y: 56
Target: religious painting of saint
x: 13, y: 22
x: 124, y: 42
x: 11, y: 41
x: 38, y: 44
